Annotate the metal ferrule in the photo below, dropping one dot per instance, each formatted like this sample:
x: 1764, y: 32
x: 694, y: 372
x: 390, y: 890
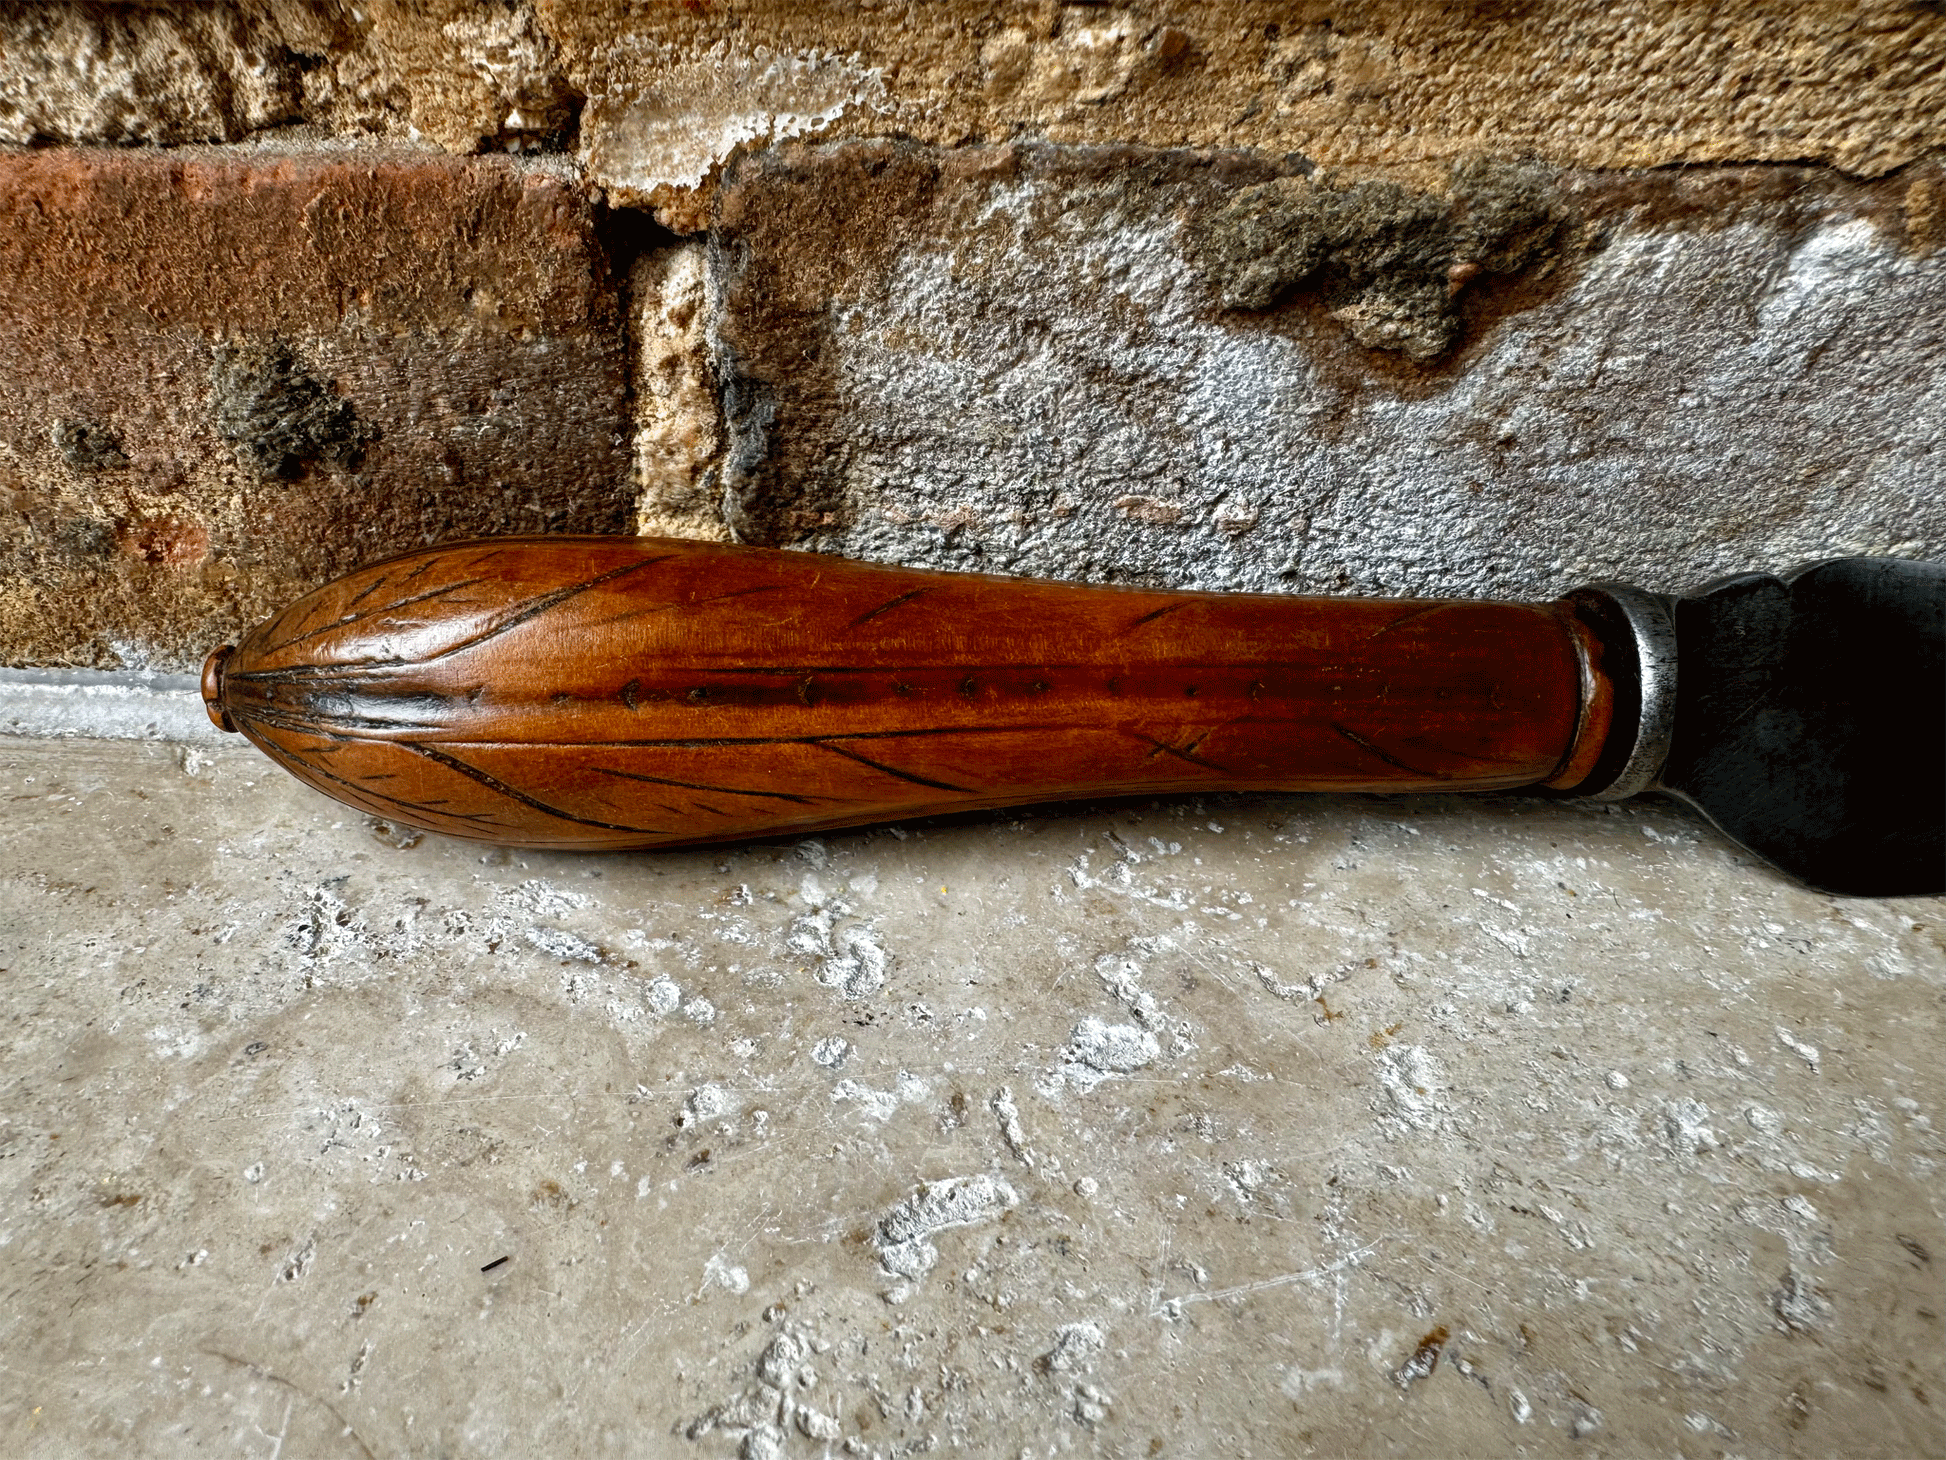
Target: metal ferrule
x: 1640, y: 645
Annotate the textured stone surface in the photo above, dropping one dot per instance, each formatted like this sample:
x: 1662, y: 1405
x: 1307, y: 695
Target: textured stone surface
x: 465, y: 75
x: 122, y: 704
x: 96, y: 73
x: 678, y: 422
x: 659, y: 96
x: 1269, y: 1127
x: 672, y: 89
x: 1060, y: 361
x: 229, y: 377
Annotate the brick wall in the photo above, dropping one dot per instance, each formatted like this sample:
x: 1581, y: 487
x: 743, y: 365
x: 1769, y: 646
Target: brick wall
x: 1383, y: 298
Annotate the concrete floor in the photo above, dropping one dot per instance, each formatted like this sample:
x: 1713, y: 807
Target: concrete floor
x: 1261, y: 1127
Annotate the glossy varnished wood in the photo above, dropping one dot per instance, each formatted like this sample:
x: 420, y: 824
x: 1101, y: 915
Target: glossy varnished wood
x: 633, y: 692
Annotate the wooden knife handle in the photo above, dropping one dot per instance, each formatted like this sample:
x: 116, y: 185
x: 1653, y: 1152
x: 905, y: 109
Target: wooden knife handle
x: 633, y: 692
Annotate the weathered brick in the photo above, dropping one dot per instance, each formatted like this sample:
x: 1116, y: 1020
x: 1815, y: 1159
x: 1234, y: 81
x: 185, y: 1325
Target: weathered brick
x: 230, y: 376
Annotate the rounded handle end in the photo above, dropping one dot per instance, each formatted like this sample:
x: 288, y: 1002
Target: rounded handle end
x: 213, y: 688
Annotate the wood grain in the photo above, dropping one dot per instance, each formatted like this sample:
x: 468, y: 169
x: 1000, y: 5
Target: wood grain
x: 633, y: 692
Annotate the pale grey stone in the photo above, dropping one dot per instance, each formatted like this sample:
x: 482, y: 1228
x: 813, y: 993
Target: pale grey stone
x: 1034, y: 376
x: 307, y: 1085
x: 133, y: 704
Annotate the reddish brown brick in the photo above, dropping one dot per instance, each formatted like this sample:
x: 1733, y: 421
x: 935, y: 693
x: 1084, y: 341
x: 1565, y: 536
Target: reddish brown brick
x: 228, y: 377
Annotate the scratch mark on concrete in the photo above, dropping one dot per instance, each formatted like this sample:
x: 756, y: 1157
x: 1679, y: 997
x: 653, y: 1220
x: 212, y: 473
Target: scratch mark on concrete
x: 1282, y: 1280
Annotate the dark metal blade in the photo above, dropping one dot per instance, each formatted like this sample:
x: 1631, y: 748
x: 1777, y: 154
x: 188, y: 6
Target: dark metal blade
x: 1810, y: 721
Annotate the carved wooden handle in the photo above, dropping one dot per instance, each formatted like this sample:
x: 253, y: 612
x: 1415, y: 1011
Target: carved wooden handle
x: 633, y: 692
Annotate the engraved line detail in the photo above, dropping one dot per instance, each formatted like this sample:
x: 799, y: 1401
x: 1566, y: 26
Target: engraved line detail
x: 702, y: 786
x: 1392, y: 760
x: 890, y: 770
x: 889, y: 605
x: 493, y: 782
x: 346, y: 620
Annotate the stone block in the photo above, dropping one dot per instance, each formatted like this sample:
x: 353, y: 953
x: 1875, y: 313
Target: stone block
x: 672, y: 91
x: 1250, y: 1127
x: 1214, y: 370
x: 658, y: 97
x: 232, y: 376
x: 463, y: 75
